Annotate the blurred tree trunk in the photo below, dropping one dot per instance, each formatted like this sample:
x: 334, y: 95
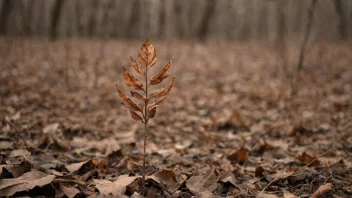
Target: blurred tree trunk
x: 133, y: 21
x: 6, y: 8
x: 342, y: 18
x: 93, y: 19
x: 55, y: 17
x: 205, y: 22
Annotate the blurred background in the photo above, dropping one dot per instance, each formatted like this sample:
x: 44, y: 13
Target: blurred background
x: 175, y: 19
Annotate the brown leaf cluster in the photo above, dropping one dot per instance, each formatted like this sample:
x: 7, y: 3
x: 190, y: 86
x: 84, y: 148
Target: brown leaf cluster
x: 147, y: 58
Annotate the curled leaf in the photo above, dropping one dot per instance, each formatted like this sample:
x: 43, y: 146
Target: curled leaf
x: 138, y: 96
x: 128, y: 102
x: 131, y: 81
x: 159, y: 77
x: 135, y: 65
x: 152, y: 112
x: 135, y: 116
x: 155, y: 103
x: 149, y: 53
x: 162, y: 91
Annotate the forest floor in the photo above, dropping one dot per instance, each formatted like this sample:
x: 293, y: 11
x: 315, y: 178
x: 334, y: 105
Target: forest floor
x: 229, y: 127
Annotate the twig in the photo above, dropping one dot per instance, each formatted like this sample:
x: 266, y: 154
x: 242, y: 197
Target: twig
x: 69, y: 181
x: 290, y: 175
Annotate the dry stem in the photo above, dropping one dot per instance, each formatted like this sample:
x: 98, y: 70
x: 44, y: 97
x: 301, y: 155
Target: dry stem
x: 145, y: 127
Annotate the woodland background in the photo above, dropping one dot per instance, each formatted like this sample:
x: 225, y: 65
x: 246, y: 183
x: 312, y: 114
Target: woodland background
x: 175, y: 19
x: 263, y: 93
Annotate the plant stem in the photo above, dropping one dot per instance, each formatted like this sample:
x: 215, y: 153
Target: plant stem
x: 145, y: 128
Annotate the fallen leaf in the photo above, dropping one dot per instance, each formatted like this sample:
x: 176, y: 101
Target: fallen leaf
x: 305, y: 159
x: 51, y: 128
x: 322, y: 190
x: 116, y: 188
x: 16, y: 170
x: 198, y: 184
x: 167, y: 178
x: 70, y: 192
x: 240, y: 156
x: 265, y: 195
x: 27, y: 181
x: 287, y: 194
x: 229, y: 177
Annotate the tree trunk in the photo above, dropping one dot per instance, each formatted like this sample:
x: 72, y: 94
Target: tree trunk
x: 6, y: 8
x: 205, y: 23
x: 342, y: 19
x: 55, y: 17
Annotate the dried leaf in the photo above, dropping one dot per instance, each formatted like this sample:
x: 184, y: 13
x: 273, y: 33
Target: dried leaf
x: 138, y: 96
x: 135, y: 116
x: 117, y: 187
x: 149, y: 53
x: 152, y: 112
x: 27, y: 181
x: 135, y: 65
x: 287, y: 194
x: 142, y: 59
x: 70, y: 192
x: 322, y: 190
x: 198, y: 184
x: 159, y: 77
x: 128, y: 102
x: 167, y: 178
x: 155, y: 104
x: 305, y: 159
x: 162, y: 91
x: 239, y: 156
x: 131, y: 81
x: 265, y: 195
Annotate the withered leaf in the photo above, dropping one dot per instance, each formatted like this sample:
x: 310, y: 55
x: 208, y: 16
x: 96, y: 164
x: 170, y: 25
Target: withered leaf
x: 135, y: 65
x: 155, y: 103
x: 162, y: 91
x: 27, y: 181
x: 142, y: 59
x: 135, y: 116
x: 159, y: 77
x: 128, y: 102
x: 138, y: 96
x: 197, y: 184
x: 322, y: 190
x: 149, y: 53
x: 131, y: 81
x: 152, y: 112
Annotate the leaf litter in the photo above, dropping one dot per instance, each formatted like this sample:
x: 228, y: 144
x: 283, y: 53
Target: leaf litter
x: 234, y: 131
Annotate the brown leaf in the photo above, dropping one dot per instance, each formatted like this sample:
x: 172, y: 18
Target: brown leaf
x: 135, y: 116
x: 305, y: 159
x: 159, y: 77
x: 167, y: 178
x: 138, y: 96
x: 322, y: 190
x: 15, y: 170
x: 131, y: 81
x: 70, y: 192
x: 162, y: 91
x: 198, y: 184
x: 82, y: 167
x: 128, y: 102
x: 155, y: 104
x: 27, y: 181
x: 239, y: 156
x: 142, y: 59
x: 265, y: 195
x: 152, y: 112
x: 117, y: 187
x: 135, y: 65
x: 229, y: 177
x: 149, y: 53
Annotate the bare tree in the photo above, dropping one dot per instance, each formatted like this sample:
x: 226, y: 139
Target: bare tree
x: 55, y: 17
x: 6, y: 9
x: 342, y: 19
x: 304, y: 45
x: 205, y: 23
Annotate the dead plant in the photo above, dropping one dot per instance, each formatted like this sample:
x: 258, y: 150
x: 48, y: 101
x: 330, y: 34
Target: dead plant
x: 151, y: 100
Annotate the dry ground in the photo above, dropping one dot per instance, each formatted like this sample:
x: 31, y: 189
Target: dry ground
x: 229, y: 126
